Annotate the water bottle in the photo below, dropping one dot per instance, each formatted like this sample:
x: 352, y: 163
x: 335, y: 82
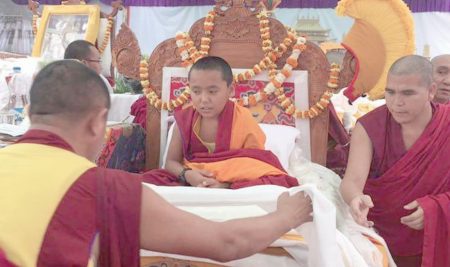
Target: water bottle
x: 18, y: 101
x: 17, y: 69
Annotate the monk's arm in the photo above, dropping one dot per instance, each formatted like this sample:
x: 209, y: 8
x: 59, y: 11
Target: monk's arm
x: 358, y: 164
x: 175, y: 153
x: 167, y: 229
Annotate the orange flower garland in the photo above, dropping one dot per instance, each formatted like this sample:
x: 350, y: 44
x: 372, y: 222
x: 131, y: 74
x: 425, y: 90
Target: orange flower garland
x: 190, y: 54
x: 105, y: 41
x: 265, y: 32
x: 333, y: 82
x: 208, y: 27
x: 34, y: 21
x: 287, y: 105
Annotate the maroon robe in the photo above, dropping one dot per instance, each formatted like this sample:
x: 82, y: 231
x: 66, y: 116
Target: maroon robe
x: 195, y: 151
x: 436, y: 244
x: 337, y: 156
x: 139, y: 111
x: 101, y: 201
x: 398, y: 177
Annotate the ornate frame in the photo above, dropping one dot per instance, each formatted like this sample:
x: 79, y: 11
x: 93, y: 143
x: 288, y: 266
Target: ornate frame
x: 91, y: 33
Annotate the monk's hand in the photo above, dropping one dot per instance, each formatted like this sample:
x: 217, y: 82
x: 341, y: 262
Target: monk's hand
x: 199, y: 178
x: 297, y: 208
x: 415, y: 219
x: 359, y: 208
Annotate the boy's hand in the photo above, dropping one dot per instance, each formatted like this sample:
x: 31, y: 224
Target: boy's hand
x: 415, y: 219
x: 296, y: 209
x: 199, y: 177
x: 213, y: 183
x: 359, y: 208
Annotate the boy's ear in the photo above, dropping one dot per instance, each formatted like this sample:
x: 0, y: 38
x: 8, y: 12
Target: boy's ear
x: 231, y: 89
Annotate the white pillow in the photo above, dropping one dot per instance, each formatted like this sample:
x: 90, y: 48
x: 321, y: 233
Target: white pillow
x: 280, y: 140
x: 169, y: 138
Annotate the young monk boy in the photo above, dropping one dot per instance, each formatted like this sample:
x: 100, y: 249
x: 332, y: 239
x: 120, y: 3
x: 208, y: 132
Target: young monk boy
x: 217, y: 143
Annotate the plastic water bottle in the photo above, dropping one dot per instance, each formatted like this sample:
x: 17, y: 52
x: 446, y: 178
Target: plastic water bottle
x: 18, y: 101
x: 17, y: 69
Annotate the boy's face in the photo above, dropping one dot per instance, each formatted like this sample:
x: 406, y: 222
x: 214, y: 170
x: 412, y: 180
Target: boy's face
x: 209, y: 92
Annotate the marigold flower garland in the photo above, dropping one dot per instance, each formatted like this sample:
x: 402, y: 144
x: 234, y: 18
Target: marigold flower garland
x: 105, y: 41
x: 287, y: 105
x: 190, y: 54
x: 35, y: 17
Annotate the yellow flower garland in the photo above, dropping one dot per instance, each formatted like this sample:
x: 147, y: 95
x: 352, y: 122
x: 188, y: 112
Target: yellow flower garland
x: 35, y: 17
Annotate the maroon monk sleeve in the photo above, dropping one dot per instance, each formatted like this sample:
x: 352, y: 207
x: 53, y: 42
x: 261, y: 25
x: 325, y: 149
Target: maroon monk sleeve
x: 118, y: 218
x: 436, y: 242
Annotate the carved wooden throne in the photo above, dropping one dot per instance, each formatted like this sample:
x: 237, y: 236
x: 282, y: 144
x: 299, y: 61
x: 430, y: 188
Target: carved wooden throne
x: 236, y: 38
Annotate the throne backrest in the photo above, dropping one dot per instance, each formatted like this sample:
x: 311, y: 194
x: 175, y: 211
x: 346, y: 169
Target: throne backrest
x: 236, y: 38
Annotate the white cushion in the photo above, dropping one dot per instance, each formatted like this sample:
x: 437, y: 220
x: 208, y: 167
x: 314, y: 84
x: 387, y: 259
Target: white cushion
x: 280, y: 140
x: 169, y: 138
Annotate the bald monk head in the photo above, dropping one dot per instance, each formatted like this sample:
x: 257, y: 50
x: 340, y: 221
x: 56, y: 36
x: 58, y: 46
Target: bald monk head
x: 441, y: 76
x: 71, y: 100
x: 409, y: 89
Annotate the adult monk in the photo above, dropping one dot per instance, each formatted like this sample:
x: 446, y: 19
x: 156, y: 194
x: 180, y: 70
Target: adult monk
x: 217, y: 143
x: 398, y: 174
x: 58, y: 209
x: 441, y: 76
x: 89, y: 55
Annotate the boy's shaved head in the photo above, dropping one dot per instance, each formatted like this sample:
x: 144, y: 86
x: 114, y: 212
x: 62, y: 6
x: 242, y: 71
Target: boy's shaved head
x: 214, y: 63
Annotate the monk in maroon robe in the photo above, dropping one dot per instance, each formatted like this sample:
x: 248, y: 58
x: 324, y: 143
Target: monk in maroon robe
x: 58, y: 209
x: 441, y: 76
x: 398, y: 176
